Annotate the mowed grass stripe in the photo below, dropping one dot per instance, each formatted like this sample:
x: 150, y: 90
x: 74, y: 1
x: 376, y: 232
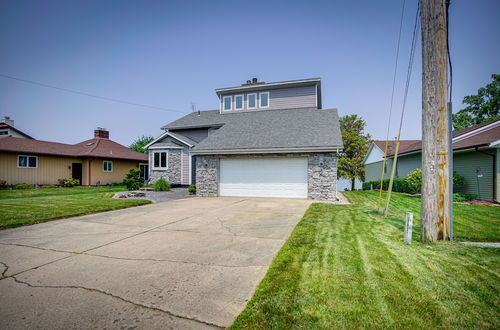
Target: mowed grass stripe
x: 344, y: 266
x: 40, y: 205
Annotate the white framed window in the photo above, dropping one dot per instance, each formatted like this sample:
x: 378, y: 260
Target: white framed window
x: 107, y: 166
x: 227, y: 103
x: 4, y: 132
x: 27, y: 161
x: 239, y: 101
x: 160, y: 160
x: 264, y: 100
x: 252, y: 101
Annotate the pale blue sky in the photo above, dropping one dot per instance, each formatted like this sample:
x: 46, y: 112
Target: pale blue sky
x: 169, y: 54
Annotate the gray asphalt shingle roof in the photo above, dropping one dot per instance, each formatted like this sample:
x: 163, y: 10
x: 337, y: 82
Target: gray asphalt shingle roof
x: 290, y: 128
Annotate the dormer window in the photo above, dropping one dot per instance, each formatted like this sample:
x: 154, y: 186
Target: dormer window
x: 227, y: 103
x: 264, y: 100
x: 251, y: 101
x: 238, y: 102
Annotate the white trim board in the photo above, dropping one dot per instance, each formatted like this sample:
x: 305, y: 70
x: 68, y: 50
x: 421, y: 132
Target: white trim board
x: 167, y: 133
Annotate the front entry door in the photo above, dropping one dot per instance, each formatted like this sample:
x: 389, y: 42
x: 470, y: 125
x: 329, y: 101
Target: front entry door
x: 76, y: 171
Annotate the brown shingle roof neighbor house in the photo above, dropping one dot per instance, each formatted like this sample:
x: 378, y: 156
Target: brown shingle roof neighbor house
x: 475, y: 150
x: 96, y: 161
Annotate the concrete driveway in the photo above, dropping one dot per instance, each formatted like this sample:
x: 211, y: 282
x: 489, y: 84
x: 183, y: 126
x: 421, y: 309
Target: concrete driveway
x: 190, y: 263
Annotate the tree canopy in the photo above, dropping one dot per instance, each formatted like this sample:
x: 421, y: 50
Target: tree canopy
x: 140, y: 142
x: 482, y: 107
x: 356, y: 144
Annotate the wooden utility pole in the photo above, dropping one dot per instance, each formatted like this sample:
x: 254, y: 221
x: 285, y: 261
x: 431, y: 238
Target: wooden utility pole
x: 435, y: 209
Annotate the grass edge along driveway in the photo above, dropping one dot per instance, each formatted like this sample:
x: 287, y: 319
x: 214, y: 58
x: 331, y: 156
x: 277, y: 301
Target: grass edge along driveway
x: 344, y: 266
x: 30, y: 206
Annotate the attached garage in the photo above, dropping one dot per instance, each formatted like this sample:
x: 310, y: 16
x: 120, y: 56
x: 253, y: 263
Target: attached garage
x: 263, y: 177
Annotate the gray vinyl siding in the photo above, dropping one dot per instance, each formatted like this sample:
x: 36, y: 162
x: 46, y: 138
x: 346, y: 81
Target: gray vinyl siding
x: 373, y: 171
x: 195, y: 134
x: 407, y: 164
x: 282, y: 98
x: 466, y: 165
x: 497, y: 150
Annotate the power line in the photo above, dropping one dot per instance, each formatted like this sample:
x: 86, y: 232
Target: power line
x: 88, y: 94
x: 410, y: 65
x: 391, y: 106
x: 395, y: 69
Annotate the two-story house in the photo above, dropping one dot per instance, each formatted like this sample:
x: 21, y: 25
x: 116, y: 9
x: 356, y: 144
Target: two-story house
x: 265, y: 140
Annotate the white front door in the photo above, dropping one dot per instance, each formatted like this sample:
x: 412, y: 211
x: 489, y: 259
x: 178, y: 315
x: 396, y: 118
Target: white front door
x: 263, y: 177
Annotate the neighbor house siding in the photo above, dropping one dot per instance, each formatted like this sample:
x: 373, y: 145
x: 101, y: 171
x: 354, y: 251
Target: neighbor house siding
x: 407, y: 164
x: 282, y: 98
x: 120, y: 169
x: 50, y: 169
x: 373, y: 171
x: 497, y: 150
x: 466, y: 164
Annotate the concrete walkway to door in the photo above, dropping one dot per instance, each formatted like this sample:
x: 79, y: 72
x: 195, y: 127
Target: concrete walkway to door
x: 190, y: 263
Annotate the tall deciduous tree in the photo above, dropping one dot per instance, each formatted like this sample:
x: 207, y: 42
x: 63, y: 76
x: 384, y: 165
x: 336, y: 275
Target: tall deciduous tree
x: 482, y: 107
x: 140, y: 142
x: 356, y: 143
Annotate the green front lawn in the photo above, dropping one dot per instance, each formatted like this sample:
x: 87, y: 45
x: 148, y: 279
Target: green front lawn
x: 21, y: 207
x: 344, y: 266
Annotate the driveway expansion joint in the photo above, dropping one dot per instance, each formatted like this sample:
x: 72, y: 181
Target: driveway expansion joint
x: 156, y: 309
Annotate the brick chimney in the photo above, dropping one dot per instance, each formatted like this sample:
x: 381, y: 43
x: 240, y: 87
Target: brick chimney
x: 100, y: 132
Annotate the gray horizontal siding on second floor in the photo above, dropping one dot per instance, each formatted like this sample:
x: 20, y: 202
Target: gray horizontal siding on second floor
x: 283, y: 98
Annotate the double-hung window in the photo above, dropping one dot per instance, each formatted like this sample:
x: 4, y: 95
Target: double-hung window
x: 27, y: 161
x: 227, y: 103
x: 264, y: 100
x: 107, y: 166
x: 251, y: 101
x: 160, y: 160
x: 238, y: 102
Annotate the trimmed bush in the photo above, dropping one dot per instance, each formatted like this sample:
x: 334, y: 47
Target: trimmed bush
x: 133, y: 180
x: 23, y: 186
x: 69, y: 182
x: 161, y: 185
x: 414, y: 181
x: 192, y: 189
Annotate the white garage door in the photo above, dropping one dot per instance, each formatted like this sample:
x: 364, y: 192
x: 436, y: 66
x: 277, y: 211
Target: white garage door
x: 264, y: 177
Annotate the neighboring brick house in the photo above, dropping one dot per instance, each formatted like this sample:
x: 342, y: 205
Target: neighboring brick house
x: 476, y: 156
x: 98, y: 161
x: 265, y: 140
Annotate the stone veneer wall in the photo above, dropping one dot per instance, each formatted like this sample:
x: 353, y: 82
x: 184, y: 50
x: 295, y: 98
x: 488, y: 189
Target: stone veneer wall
x: 321, y: 173
x: 172, y: 173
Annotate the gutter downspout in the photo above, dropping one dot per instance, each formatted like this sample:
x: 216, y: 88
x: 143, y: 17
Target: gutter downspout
x: 494, y: 172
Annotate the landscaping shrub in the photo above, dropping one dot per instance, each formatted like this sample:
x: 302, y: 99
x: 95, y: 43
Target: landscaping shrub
x: 192, y: 189
x: 133, y: 180
x: 3, y: 183
x: 69, y: 182
x: 412, y: 184
x: 414, y: 181
x: 23, y: 186
x: 161, y: 185
x: 458, y: 197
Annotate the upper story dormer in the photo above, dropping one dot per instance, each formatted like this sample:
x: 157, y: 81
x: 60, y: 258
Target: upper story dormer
x: 257, y: 96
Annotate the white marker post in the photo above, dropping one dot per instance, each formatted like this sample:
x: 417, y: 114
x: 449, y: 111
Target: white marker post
x: 408, y: 227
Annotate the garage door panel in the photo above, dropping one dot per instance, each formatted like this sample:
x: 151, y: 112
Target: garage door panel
x: 264, y: 177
